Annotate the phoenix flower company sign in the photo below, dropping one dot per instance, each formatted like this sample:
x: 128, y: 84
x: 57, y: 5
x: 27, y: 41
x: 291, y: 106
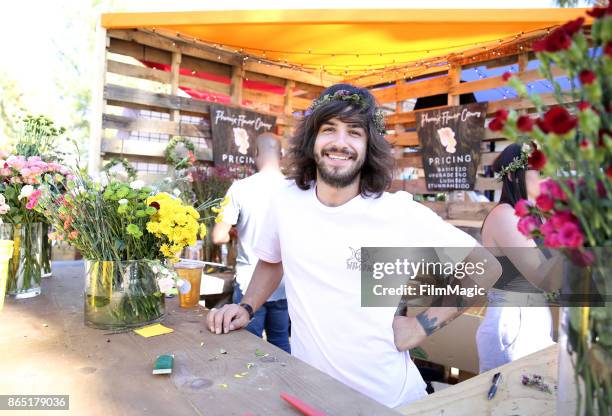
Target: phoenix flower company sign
x: 450, y: 144
x: 233, y: 134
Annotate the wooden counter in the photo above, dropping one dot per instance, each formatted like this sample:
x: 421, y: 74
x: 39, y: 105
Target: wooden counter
x: 46, y: 349
x: 469, y: 398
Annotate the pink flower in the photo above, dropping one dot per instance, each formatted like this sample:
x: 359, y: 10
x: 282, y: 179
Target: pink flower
x: 552, y: 189
x: 528, y: 224
x: 16, y: 162
x: 5, y: 171
x: 560, y: 218
x: 570, y: 235
x: 73, y: 235
x: 521, y: 209
x: 545, y: 202
x: 551, y: 238
x: 581, y: 258
x: 33, y: 199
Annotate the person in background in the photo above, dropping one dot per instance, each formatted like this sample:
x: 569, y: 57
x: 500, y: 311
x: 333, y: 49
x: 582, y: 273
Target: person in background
x: 248, y: 202
x: 515, y: 330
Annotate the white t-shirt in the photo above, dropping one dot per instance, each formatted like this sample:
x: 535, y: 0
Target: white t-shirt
x: 249, y: 201
x: 330, y: 329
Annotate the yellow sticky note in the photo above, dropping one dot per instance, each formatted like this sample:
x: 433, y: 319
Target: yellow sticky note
x: 153, y: 330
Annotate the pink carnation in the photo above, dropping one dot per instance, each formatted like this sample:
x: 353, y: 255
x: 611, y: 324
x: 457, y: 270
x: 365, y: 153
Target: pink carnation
x: 527, y: 225
x: 521, y: 209
x: 570, y: 235
x: 545, y: 202
x: 552, y: 189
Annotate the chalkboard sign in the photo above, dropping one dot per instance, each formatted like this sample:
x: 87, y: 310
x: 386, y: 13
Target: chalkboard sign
x: 233, y: 135
x: 450, y: 144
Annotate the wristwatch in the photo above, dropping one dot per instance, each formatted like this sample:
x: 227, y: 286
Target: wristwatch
x: 249, y: 309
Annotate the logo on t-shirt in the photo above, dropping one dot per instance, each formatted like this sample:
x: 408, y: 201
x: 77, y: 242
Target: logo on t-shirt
x: 355, y: 259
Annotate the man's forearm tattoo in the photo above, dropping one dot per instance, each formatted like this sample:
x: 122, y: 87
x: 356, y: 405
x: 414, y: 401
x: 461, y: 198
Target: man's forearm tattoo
x: 428, y: 324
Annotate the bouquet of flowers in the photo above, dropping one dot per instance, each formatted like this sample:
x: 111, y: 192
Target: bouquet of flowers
x: 572, y: 144
x: 21, y: 180
x: 127, y: 232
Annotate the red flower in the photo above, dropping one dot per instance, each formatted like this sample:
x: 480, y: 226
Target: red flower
x: 506, y: 76
x: 539, y: 45
x: 545, y: 202
x: 608, y: 49
x: 525, y: 123
x: 521, y: 209
x: 587, y: 77
x: 559, y: 121
x: 558, y: 40
x: 584, y: 105
x: 537, y: 160
x: 502, y: 114
x: 601, y: 189
x: 496, y: 125
x: 155, y: 205
x: 609, y: 172
x: 540, y: 123
x: 585, y: 144
x: 573, y: 26
x: 599, y: 12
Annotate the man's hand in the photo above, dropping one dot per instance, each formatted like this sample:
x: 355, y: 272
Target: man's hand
x: 407, y: 332
x: 229, y: 318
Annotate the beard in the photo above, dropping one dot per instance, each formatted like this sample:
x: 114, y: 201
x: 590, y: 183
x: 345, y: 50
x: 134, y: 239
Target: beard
x: 333, y: 175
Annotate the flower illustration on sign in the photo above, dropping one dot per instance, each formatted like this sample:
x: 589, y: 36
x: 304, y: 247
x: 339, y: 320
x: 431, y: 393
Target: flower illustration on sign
x: 241, y: 138
x: 447, y: 138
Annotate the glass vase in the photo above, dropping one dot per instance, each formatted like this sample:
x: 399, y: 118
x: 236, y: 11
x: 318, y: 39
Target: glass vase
x: 585, y: 345
x: 121, y: 295
x: 25, y: 266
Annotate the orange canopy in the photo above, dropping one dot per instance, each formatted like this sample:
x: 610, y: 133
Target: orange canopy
x: 348, y: 41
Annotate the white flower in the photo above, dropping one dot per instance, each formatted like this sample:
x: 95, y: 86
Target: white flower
x: 165, y: 284
x: 2, y: 200
x: 176, y: 192
x: 123, y: 201
x: 4, y: 208
x: 526, y: 148
x: 26, y: 191
x: 137, y: 185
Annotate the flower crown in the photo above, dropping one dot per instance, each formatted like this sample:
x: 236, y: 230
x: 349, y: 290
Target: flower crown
x: 354, y: 98
x: 519, y: 162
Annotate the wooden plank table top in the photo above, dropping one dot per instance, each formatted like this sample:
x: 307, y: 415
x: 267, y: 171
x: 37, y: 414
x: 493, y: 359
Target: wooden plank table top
x: 469, y: 397
x: 46, y: 349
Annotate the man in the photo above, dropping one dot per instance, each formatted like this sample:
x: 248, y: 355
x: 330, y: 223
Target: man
x: 249, y: 201
x: 341, y: 165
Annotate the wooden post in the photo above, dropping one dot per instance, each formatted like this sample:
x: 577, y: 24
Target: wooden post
x: 174, y: 81
x: 236, y: 86
x: 523, y: 60
x: 454, y: 73
x: 98, y: 102
x: 289, y: 87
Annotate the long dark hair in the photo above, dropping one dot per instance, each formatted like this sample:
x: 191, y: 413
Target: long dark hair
x: 513, y: 184
x: 377, y: 170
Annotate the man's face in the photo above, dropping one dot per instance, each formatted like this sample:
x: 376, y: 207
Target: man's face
x: 339, y: 151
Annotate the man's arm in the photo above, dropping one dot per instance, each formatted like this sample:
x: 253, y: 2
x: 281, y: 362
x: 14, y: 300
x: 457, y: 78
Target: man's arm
x: 266, y: 278
x: 410, y: 331
x: 220, y: 233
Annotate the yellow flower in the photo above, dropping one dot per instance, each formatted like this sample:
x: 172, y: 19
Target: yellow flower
x: 192, y: 211
x: 225, y: 201
x: 219, y: 218
x: 165, y: 249
x: 216, y: 210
